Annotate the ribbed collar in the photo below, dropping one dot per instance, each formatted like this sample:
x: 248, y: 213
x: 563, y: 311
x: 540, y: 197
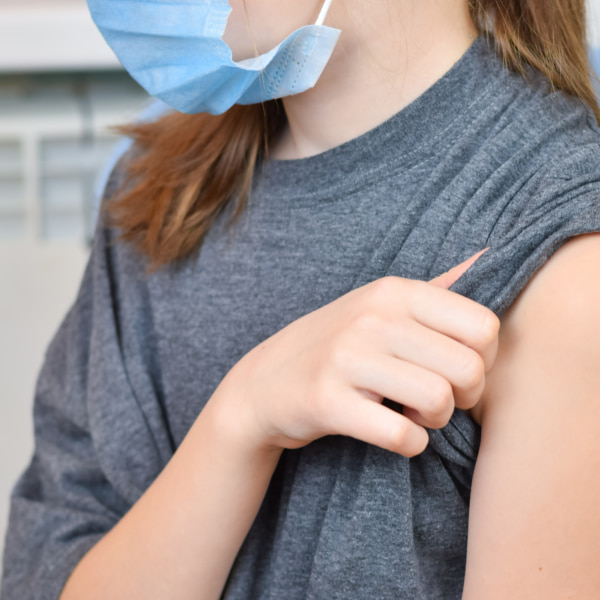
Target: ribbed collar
x: 426, y: 126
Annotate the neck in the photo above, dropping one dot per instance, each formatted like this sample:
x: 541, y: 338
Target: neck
x: 383, y: 62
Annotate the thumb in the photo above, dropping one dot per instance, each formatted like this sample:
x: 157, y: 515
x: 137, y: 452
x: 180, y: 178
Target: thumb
x: 445, y: 280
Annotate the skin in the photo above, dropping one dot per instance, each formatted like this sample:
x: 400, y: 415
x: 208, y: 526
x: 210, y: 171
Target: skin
x: 388, y: 54
x: 534, y: 529
x: 534, y: 525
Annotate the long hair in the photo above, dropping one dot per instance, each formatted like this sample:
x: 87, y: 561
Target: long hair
x: 185, y: 169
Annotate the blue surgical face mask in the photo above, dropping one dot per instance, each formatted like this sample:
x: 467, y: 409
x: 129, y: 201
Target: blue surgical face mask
x: 175, y: 51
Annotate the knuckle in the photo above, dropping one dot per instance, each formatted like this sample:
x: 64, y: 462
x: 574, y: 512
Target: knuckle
x: 340, y: 356
x: 398, y: 435
x: 441, y: 402
x: 472, y: 371
x: 490, y: 326
x: 366, y: 322
x: 320, y: 396
x: 442, y: 395
x: 416, y: 290
x: 406, y: 439
x: 381, y: 290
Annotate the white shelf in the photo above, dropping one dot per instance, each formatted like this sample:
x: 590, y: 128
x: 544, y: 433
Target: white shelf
x: 59, y: 36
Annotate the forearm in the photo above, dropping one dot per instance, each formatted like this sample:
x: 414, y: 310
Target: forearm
x: 181, y: 538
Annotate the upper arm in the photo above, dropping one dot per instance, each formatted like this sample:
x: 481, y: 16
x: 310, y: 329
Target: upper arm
x: 534, y: 527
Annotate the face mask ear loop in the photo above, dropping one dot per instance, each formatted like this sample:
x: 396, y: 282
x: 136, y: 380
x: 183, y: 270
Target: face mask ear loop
x: 323, y: 13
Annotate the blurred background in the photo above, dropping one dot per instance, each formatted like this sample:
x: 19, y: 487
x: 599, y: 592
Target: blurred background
x: 61, y: 89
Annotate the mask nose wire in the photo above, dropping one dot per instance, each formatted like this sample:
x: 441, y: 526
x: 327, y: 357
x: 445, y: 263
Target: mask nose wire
x: 323, y: 13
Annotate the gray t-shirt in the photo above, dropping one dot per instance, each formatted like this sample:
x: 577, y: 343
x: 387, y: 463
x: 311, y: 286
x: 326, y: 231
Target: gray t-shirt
x: 481, y: 159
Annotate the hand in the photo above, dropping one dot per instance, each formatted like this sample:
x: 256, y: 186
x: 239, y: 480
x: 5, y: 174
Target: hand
x: 414, y: 343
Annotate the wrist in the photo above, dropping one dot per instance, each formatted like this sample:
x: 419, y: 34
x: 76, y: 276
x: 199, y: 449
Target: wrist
x: 233, y: 419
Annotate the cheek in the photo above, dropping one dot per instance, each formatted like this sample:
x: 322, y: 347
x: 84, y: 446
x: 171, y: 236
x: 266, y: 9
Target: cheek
x: 237, y: 33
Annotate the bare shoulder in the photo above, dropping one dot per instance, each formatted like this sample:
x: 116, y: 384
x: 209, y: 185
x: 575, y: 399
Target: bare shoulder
x: 554, y: 322
x: 535, y: 526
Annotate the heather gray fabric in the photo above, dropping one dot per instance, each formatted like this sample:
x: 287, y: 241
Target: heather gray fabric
x: 481, y: 159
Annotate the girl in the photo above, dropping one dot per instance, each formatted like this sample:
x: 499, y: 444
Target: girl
x: 266, y: 388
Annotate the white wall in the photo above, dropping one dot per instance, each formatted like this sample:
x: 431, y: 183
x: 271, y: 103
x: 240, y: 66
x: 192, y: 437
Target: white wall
x: 38, y: 282
x: 50, y: 35
x: 594, y: 14
x: 39, y: 279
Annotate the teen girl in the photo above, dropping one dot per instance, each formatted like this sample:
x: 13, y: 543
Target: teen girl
x: 265, y: 388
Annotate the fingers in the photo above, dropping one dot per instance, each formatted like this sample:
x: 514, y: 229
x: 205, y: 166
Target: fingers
x: 462, y: 367
x: 392, y: 299
x: 446, y: 280
x: 455, y: 316
x: 410, y: 385
x: 370, y: 422
x: 413, y: 342
x: 429, y: 354
x: 373, y: 358
x: 488, y: 321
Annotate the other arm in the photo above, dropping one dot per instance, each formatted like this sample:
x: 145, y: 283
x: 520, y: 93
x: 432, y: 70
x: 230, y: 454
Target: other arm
x: 534, y: 529
x: 187, y: 528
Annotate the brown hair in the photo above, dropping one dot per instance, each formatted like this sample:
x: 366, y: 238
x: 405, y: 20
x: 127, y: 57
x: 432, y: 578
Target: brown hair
x: 185, y: 169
